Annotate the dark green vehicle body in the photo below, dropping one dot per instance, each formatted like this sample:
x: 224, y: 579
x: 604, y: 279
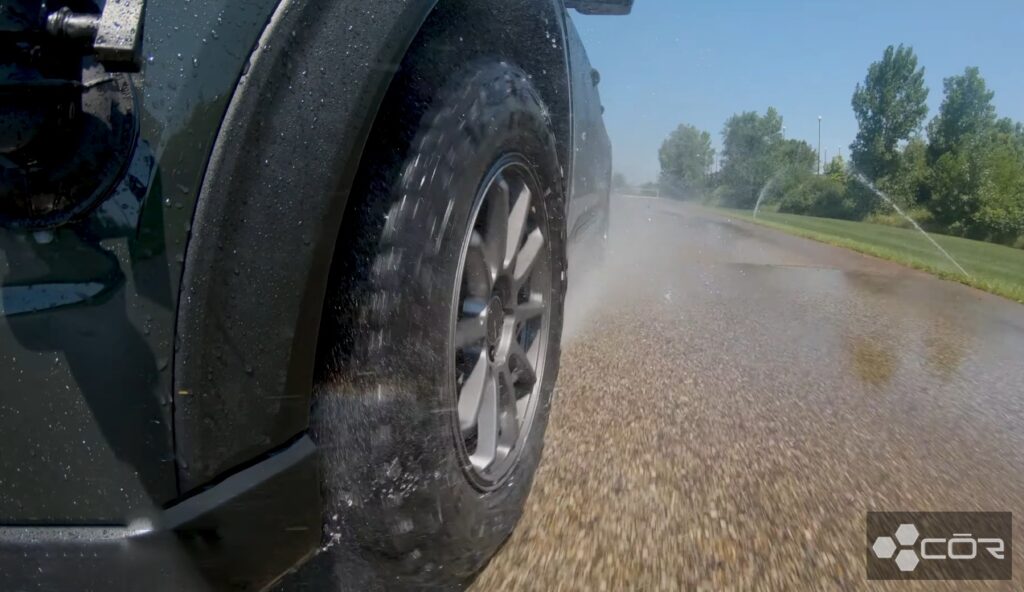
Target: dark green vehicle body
x: 157, y: 351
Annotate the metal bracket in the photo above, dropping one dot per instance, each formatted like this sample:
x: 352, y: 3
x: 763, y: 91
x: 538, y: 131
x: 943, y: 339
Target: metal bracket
x: 115, y: 35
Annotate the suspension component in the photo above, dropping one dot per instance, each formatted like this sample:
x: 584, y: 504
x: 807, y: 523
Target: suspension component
x: 115, y: 35
x: 67, y: 114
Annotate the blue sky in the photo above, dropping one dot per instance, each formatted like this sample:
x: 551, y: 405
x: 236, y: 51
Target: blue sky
x: 700, y: 61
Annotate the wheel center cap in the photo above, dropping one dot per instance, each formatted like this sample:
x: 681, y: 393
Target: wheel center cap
x: 495, y: 320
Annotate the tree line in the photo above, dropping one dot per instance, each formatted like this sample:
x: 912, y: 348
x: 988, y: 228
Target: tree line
x: 961, y: 174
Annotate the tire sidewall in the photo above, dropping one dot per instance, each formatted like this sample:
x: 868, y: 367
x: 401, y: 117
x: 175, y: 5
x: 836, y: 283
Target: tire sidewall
x: 393, y: 474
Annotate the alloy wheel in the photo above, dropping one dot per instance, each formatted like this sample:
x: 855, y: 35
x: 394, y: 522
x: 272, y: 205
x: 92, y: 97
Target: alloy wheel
x: 500, y: 331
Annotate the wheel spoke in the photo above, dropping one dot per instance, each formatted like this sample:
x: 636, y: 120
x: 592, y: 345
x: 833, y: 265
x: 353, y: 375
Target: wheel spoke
x: 528, y: 257
x: 517, y: 226
x: 529, y: 310
x: 478, y: 276
x: 509, y: 429
x: 472, y: 393
x: 524, y: 373
x: 487, y: 426
x: 470, y: 330
x: 533, y: 350
x: 509, y: 417
x: 496, y: 227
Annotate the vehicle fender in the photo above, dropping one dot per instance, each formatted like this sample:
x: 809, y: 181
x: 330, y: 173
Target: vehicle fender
x: 266, y: 222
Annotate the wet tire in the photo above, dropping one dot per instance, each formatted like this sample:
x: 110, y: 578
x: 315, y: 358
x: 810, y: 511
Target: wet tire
x: 403, y: 509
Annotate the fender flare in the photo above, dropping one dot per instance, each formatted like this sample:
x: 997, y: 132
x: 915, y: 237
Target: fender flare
x: 265, y: 226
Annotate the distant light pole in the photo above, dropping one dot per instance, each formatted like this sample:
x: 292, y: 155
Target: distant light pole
x: 783, y: 132
x: 819, y: 144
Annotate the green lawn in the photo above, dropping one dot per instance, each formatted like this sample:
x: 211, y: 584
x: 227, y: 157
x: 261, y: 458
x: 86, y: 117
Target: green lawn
x: 993, y: 268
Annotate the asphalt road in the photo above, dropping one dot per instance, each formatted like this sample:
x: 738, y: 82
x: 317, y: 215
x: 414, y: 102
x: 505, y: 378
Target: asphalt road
x: 733, y: 400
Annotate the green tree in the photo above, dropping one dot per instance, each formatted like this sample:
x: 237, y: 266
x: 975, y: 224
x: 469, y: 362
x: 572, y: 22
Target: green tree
x: 794, y: 154
x: 908, y: 184
x: 965, y: 116
x: 1013, y: 132
x: 1000, y: 214
x: 750, y: 151
x: 815, y: 195
x: 686, y: 157
x: 832, y: 195
x: 619, y: 181
x: 793, y: 162
x: 889, y: 107
x: 836, y: 168
x: 961, y: 139
x: 954, y: 191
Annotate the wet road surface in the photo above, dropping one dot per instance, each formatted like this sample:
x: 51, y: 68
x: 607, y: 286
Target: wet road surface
x: 733, y: 399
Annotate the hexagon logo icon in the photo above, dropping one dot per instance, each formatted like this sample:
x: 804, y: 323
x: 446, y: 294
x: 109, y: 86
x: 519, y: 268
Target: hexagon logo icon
x: 884, y: 547
x: 907, y: 560
x: 907, y: 534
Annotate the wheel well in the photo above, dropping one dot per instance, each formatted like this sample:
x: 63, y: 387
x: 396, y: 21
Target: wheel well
x: 527, y: 33
x: 277, y: 190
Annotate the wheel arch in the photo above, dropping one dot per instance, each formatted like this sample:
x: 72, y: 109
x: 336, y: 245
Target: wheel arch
x: 266, y: 223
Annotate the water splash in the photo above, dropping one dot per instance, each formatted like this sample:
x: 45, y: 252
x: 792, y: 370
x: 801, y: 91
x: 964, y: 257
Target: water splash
x: 764, y: 192
x: 861, y: 179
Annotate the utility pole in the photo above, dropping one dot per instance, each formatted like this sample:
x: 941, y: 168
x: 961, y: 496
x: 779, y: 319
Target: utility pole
x: 819, y: 144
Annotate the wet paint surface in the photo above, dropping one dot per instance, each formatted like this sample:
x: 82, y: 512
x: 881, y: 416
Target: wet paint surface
x: 732, y: 400
x: 87, y: 311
